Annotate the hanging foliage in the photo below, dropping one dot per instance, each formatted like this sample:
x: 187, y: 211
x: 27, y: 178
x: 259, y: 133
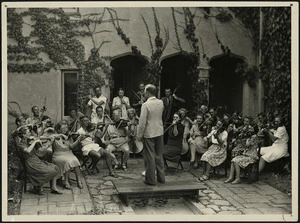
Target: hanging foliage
x: 54, y: 33
x: 275, y: 67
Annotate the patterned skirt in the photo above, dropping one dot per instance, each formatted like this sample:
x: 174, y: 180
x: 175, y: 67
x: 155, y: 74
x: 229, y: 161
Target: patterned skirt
x: 215, y: 155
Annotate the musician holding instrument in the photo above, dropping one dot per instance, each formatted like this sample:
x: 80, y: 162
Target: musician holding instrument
x: 97, y: 100
x: 117, y: 139
x: 139, y: 98
x: 196, y: 141
x: 73, y: 119
x: 173, y: 148
x: 38, y: 171
x: 171, y: 104
x: 135, y: 146
x: 63, y: 156
x: 92, y: 149
x: 35, y: 120
x: 279, y: 148
x: 216, y: 153
x: 241, y: 135
x: 121, y: 102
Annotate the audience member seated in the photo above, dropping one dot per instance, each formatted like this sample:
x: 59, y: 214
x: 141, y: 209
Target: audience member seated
x: 217, y: 152
x: 279, y: 148
x: 38, y: 171
x: 117, y: 140
x: 63, y: 156
x: 92, y: 149
x: 249, y: 156
x: 196, y: 141
x: 173, y: 149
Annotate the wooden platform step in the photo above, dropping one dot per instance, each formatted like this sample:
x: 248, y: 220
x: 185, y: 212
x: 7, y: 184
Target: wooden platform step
x: 137, y: 189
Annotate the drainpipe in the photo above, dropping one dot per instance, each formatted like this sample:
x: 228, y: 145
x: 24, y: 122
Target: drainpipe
x: 260, y: 85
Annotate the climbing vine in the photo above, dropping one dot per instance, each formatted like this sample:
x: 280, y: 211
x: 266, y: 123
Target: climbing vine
x: 199, y: 95
x: 275, y: 67
x: 54, y: 33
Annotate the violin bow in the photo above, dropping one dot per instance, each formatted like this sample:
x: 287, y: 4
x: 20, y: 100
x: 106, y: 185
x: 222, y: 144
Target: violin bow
x: 136, y: 95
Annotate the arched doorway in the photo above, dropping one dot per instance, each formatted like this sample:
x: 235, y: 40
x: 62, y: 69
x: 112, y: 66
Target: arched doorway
x: 226, y: 87
x: 127, y: 73
x: 174, y: 74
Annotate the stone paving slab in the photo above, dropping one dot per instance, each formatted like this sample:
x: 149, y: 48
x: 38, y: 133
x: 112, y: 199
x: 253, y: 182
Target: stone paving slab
x: 100, y: 197
x: 76, y: 201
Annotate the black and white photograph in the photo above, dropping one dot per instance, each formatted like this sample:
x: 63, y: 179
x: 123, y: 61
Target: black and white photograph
x: 150, y: 111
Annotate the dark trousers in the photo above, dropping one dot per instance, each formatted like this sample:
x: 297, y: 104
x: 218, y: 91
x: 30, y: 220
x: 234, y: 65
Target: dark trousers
x: 153, y: 158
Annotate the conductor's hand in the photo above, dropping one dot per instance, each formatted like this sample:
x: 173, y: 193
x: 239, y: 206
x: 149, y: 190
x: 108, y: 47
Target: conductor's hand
x: 140, y: 102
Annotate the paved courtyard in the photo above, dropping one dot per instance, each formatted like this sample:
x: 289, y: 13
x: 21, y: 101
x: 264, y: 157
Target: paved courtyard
x: 100, y: 197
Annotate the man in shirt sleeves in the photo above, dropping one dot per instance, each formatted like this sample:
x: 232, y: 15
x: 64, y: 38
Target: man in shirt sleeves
x: 98, y: 100
x: 150, y: 128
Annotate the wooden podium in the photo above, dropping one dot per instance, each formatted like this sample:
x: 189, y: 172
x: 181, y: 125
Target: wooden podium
x: 137, y: 189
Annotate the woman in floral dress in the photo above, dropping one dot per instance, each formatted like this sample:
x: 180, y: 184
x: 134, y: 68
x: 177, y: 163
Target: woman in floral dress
x: 249, y: 156
x: 217, y: 152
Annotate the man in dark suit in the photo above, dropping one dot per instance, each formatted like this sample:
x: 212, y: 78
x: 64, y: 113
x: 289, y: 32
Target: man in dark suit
x: 171, y: 104
x: 151, y: 129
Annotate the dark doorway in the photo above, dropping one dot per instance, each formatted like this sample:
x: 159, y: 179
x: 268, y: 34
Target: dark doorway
x: 226, y: 87
x: 127, y: 73
x: 174, y: 74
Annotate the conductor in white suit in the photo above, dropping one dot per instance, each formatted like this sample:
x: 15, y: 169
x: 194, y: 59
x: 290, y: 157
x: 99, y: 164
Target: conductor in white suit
x: 150, y: 129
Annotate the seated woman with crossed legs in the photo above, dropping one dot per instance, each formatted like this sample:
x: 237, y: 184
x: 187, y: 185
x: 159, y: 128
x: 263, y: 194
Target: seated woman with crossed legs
x: 249, y: 156
x: 38, y: 171
x: 63, y: 156
x: 216, y: 153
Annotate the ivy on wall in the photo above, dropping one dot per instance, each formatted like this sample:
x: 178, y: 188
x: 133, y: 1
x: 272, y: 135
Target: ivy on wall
x: 275, y: 67
x: 199, y: 88
x: 54, y: 33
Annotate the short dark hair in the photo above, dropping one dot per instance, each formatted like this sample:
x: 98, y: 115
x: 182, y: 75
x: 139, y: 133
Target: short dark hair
x: 99, y: 107
x: 35, y: 106
x: 45, y: 117
x: 18, y: 119
x: 85, y: 116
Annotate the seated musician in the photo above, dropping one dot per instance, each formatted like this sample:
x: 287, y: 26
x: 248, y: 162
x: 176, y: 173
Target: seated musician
x: 279, y: 148
x: 92, y: 149
x: 46, y: 131
x: 73, y: 119
x: 132, y: 128
x: 173, y: 149
x: 121, y: 102
x: 34, y: 121
x: 214, y: 116
x: 102, y: 122
x: 186, y: 122
x: 38, y: 171
x: 196, y: 141
x: 249, y: 156
x: 117, y: 139
x: 63, y: 156
x: 20, y: 121
x: 216, y: 153
x: 241, y: 135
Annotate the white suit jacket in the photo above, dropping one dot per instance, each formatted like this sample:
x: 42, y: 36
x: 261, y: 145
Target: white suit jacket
x: 150, y: 123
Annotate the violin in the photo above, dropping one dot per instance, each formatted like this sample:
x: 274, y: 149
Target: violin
x: 42, y: 138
